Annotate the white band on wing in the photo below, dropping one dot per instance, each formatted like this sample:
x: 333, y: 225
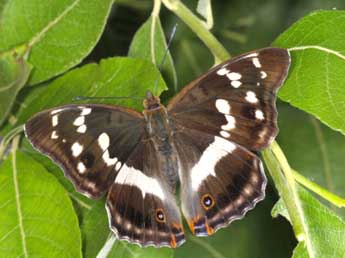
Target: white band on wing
x: 134, y: 177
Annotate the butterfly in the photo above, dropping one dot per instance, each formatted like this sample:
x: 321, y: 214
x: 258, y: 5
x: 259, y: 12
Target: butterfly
x: 204, y: 143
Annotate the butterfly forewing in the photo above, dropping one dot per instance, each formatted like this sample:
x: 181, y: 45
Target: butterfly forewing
x: 236, y: 99
x: 90, y: 142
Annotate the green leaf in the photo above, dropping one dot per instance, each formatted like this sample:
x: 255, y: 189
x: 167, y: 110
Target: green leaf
x: 316, y: 79
x: 325, y: 231
x: 96, y: 230
x: 14, y: 72
x: 37, y: 217
x: 300, y: 251
x: 59, y: 34
x: 120, y: 76
x: 250, y: 237
x: 149, y: 43
x: 312, y: 148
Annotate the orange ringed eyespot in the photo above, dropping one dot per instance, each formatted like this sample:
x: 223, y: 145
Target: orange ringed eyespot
x: 207, y: 201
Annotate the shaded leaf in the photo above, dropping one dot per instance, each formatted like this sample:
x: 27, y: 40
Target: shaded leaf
x: 316, y: 78
x: 96, y: 230
x: 250, y: 237
x: 14, y: 72
x: 59, y: 33
x: 117, y: 77
x: 143, y: 46
x: 37, y: 217
x: 325, y: 231
x: 313, y: 148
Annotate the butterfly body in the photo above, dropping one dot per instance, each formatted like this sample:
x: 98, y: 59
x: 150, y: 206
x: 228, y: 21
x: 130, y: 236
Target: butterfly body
x: 207, y: 139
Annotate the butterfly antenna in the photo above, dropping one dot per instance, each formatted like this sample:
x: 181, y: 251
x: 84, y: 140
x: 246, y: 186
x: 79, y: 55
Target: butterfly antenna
x: 160, y: 67
x: 78, y: 98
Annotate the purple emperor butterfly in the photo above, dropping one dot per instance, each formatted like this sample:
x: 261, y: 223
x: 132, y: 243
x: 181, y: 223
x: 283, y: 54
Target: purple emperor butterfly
x: 206, y: 139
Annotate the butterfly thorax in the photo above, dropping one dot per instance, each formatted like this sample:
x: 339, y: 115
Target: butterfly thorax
x: 159, y: 130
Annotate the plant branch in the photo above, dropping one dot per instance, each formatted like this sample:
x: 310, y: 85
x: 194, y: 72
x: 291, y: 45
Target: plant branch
x: 199, y: 28
x: 327, y: 195
x: 278, y: 167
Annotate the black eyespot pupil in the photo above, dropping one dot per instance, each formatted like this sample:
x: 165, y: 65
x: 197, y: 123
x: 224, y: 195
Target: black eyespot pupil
x: 207, y: 201
x: 160, y: 216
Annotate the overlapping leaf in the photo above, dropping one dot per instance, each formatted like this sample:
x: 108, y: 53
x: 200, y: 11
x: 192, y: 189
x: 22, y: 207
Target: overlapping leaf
x: 149, y: 43
x: 325, y: 231
x: 37, y: 217
x: 117, y: 77
x: 316, y: 80
x: 14, y: 72
x: 59, y: 34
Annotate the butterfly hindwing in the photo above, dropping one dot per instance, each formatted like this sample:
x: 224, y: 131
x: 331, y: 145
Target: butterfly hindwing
x: 141, y: 206
x: 236, y: 99
x: 89, y: 142
x: 220, y: 180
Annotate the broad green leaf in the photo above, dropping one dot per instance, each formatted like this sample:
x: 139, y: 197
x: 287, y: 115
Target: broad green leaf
x: 117, y: 77
x: 316, y: 78
x: 14, y: 72
x: 300, y: 251
x: 59, y: 33
x: 247, y: 238
x: 81, y: 202
x: 149, y: 43
x: 37, y: 217
x: 312, y: 148
x: 325, y: 231
x: 95, y: 231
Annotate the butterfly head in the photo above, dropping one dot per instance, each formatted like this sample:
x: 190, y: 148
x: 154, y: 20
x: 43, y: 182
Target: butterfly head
x: 151, y: 102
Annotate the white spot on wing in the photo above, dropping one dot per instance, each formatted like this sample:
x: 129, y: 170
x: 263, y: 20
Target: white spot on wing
x: 231, y: 123
x: 85, y: 111
x: 225, y: 134
x: 81, y: 167
x: 54, y: 135
x: 222, y: 71
x: 108, y: 160
x: 263, y: 75
x: 55, y: 111
x: 82, y: 129
x: 259, y: 115
x: 218, y: 149
x: 134, y: 177
x: 223, y: 106
x: 252, y: 55
x: 55, y: 120
x: 251, y: 97
x: 104, y: 141
x: 236, y: 84
x: 76, y: 149
x: 118, y: 165
x: 256, y: 62
x: 234, y: 76
x: 79, y: 121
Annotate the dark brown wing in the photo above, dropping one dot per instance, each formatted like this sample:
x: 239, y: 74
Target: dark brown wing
x: 220, y: 180
x: 90, y: 142
x: 236, y: 99
x: 141, y: 207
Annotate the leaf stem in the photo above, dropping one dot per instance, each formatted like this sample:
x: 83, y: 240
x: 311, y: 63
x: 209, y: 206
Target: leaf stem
x: 106, y: 249
x: 278, y: 167
x: 327, y: 195
x: 199, y: 28
x: 155, y: 13
x: 8, y: 138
